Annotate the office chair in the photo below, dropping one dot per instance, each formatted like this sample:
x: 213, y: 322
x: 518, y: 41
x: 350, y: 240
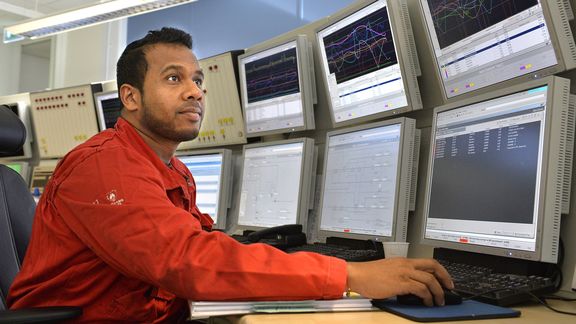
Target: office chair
x: 16, y: 215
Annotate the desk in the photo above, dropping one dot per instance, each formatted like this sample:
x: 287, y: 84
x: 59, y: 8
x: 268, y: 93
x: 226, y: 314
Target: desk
x: 532, y: 314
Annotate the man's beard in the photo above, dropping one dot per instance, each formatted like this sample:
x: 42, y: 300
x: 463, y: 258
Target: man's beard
x: 165, y: 129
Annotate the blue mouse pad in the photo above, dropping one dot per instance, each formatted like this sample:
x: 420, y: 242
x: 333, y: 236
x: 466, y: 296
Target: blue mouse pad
x: 468, y: 310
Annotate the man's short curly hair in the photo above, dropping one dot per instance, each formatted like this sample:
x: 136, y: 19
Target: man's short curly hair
x: 132, y: 65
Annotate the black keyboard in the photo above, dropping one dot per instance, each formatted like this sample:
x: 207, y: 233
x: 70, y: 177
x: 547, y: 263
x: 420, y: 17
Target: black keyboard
x: 485, y: 285
x: 341, y: 252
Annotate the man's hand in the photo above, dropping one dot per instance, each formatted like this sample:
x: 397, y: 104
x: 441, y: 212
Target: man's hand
x: 399, y: 276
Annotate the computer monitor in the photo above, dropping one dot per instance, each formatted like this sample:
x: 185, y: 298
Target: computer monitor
x: 500, y: 171
x: 276, y: 184
x: 367, y: 65
x: 369, y: 181
x: 212, y: 172
x: 20, y: 105
x: 277, y: 87
x: 480, y: 46
x: 21, y: 167
x: 108, y: 107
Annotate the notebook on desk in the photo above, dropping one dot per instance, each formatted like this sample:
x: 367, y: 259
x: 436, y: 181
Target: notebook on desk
x: 204, y: 309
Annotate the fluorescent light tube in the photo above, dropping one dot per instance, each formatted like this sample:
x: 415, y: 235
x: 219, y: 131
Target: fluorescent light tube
x: 83, y: 17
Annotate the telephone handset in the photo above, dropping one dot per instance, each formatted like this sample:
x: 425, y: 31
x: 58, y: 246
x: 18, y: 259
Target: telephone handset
x: 282, y: 236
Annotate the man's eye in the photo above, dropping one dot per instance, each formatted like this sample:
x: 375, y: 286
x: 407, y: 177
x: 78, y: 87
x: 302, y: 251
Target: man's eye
x: 173, y: 78
x: 199, y: 82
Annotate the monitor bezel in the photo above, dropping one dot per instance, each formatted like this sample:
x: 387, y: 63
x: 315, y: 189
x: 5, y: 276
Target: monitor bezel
x: 225, y: 190
x: 404, y: 56
x: 547, y: 230
x: 559, y: 67
x: 306, y: 174
x: 404, y: 175
x: 305, y: 80
x: 98, y: 97
x: 22, y: 103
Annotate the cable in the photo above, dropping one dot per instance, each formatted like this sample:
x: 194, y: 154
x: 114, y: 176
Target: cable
x: 559, y: 298
x: 543, y: 302
x: 558, y: 266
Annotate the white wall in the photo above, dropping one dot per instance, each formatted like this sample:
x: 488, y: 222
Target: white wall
x: 78, y: 57
x: 9, y: 68
x: 87, y: 55
x: 34, y: 73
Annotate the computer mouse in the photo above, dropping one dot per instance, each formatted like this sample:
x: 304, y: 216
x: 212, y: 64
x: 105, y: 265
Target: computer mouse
x: 450, y: 298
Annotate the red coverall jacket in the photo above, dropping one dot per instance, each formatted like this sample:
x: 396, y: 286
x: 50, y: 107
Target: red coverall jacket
x: 118, y: 233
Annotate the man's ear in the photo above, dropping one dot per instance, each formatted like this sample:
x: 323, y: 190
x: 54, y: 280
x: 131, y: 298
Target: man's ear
x: 130, y: 96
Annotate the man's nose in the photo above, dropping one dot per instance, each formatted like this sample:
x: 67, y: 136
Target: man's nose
x: 194, y: 91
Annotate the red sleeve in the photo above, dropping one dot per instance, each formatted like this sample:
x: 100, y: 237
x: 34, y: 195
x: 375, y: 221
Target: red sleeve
x: 124, y: 216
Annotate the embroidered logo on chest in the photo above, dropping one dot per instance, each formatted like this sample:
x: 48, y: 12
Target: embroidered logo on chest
x: 111, y: 198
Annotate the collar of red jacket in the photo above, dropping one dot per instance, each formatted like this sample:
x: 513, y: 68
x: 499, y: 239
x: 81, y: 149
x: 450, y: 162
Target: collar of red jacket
x: 126, y: 131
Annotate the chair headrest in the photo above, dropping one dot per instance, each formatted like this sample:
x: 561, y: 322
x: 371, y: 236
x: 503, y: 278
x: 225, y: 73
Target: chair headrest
x: 12, y: 131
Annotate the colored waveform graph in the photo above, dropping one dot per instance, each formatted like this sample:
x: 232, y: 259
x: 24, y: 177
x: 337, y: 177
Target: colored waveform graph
x: 455, y: 20
x: 361, y: 47
x: 273, y: 76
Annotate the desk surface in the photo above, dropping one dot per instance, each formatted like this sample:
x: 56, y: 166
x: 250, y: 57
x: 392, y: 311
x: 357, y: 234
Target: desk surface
x: 533, y: 314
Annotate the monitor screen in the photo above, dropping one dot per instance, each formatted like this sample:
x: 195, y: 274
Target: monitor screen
x: 481, y: 43
x: 367, y: 180
x: 212, y: 174
x: 366, y: 66
x: 275, y: 185
x: 108, y: 108
x: 497, y: 172
x: 277, y: 88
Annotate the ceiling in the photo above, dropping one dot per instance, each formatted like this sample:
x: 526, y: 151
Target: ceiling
x: 13, y: 11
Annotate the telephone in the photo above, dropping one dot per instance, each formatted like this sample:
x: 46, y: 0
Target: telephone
x: 283, y: 236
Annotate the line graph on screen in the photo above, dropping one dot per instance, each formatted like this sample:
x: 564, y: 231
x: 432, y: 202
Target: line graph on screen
x: 455, y: 20
x: 272, y: 76
x: 361, y: 47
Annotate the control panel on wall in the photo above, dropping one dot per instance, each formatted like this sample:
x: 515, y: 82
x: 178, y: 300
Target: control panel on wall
x: 223, y: 122
x: 63, y: 118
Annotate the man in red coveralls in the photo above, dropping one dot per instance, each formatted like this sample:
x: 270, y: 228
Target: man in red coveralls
x: 117, y: 230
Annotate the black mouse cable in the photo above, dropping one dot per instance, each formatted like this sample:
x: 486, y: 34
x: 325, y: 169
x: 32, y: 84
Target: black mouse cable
x: 545, y: 303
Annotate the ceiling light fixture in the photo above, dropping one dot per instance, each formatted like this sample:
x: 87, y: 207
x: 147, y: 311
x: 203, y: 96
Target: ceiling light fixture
x: 83, y: 17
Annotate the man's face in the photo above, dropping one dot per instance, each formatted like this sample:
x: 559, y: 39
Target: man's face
x: 173, y: 100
